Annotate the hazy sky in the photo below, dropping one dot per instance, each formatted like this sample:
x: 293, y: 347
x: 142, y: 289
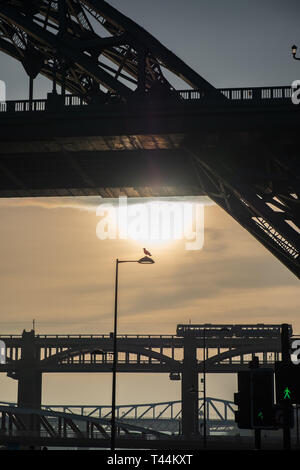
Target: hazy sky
x: 55, y: 269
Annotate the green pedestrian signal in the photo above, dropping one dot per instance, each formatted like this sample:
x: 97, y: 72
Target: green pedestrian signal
x: 287, y: 382
x: 261, y: 416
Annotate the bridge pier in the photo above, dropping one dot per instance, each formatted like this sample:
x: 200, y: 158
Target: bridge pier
x: 29, y: 380
x: 189, y: 388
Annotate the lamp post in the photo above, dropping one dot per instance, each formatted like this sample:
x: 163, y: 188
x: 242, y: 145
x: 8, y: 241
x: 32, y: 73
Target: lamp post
x: 294, y: 52
x: 297, y: 410
x: 194, y: 391
x: 204, y: 386
x: 145, y: 260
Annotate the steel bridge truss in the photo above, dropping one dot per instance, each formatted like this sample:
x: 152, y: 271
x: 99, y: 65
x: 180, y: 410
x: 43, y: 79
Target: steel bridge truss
x: 142, y: 353
x: 98, y: 54
x: 261, y: 194
x: 26, y: 422
x: 94, y: 422
x: 229, y: 348
x: 89, y: 48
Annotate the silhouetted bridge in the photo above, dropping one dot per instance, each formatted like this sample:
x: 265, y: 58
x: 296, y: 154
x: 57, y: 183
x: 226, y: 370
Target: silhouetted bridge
x: 159, y: 420
x: 118, y: 126
x: 228, y: 349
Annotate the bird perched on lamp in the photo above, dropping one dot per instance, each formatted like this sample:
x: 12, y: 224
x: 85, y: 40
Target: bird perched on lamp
x: 147, y: 252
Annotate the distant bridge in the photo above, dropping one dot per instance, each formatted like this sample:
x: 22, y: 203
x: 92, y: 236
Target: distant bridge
x: 92, y: 424
x: 228, y: 349
x: 164, y: 417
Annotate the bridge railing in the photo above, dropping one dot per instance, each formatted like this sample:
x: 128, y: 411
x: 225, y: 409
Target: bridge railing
x: 247, y: 95
x: 92, y: 336
x: 216, y: 409
x: 23, y: 106
x: 261, y: 94
x: 72, y: 100
x: 16, y: 421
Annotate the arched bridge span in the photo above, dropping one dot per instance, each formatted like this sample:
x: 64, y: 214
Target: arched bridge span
x: 124, y: 129
x: 228, y: 349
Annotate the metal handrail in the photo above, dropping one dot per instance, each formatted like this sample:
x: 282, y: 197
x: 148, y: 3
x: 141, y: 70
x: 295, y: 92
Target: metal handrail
x: 92, y: 336
x: 151, y: 407
x: 243, y: 94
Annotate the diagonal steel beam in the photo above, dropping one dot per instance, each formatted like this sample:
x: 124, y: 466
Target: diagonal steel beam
x: 140, y: 35
x: 66, y: 48
x: 246, y: 206
x: 72, y: 86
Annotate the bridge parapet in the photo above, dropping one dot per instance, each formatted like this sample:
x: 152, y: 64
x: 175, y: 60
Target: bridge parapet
x: 254, y: 95
x: 249, y: 94
x: 163, y: 416
x: 229, y: 348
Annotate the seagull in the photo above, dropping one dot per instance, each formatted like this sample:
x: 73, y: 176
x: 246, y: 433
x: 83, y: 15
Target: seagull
x: 147, y: 252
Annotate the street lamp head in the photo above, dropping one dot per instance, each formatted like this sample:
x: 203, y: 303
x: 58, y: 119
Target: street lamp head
x: 98, y: 351
x: 146, y: 260
x: 294, y: 50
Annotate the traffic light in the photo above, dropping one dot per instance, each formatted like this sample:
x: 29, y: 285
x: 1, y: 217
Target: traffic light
x: 262, y: 398
x: 255, y: 399
x: 243, y: 400
x: 287, y: 377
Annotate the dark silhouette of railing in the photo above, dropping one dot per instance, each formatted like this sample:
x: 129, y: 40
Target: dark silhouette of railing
x: 148, y: 418
x: 261, y: 95
x: 249, y: 94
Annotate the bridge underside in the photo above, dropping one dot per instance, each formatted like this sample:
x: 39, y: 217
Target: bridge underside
x: 148, y: 150
x: 140, y: 137
x: 246, y: 163
x: 143, y: 173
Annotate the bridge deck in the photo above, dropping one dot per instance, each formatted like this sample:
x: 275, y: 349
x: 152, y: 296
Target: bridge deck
x: 66, y: 148
x: 225, y: 352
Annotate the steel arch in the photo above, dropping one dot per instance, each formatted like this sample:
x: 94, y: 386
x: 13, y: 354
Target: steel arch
x: 68, y: 43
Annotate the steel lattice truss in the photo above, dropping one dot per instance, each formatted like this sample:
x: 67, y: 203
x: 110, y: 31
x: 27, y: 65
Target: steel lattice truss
x: 261, y: 194
x: 54, y: 424
x: 92, y: 50
x: 89, y: 48
x: 161, y: 417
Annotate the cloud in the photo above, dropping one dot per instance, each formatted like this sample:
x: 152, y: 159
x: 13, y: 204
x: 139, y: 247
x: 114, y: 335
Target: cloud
x: 90, y: 203
x: 54, y: 268
x: 79, y: 203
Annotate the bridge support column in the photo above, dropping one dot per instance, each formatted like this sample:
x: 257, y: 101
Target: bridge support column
x: 189, y: 388
x: 29, y: 380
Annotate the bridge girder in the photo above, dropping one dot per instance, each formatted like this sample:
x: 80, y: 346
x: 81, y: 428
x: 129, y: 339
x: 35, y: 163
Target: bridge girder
x: 55, y: 424
x: 127, y: 348
x: 260, y: 193
x: 143, y: 357
x: 67, y: 42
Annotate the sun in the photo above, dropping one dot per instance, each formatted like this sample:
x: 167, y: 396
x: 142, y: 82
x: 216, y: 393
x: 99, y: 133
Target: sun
x: 153, y: 223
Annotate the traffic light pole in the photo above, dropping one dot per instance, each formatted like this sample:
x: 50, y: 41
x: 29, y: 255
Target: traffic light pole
x: 285, y: 352
x: 257, y: 439
x: 204, y: 389
x: 254, y: 364
x: 297, y: 424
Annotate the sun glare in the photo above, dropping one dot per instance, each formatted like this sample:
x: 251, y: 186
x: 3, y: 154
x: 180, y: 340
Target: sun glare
x: 156, y: 222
